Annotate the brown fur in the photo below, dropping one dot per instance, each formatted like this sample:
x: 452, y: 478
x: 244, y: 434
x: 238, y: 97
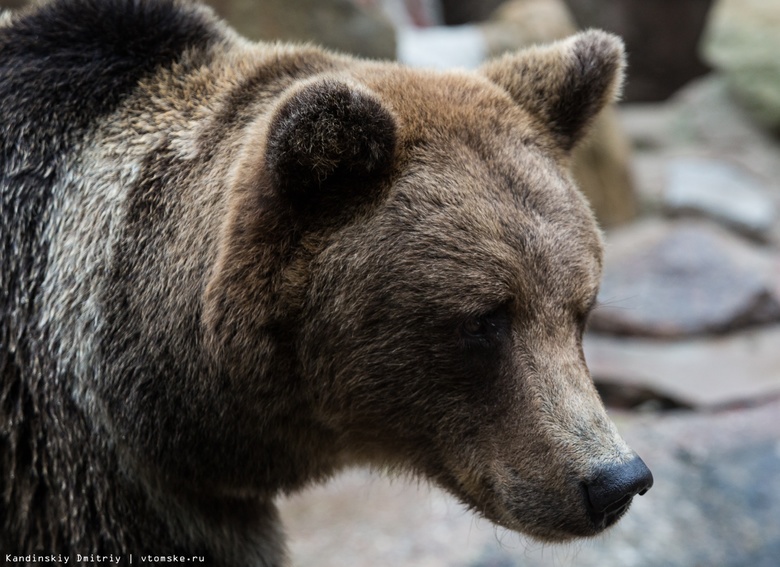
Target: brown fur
x: 261, y: 264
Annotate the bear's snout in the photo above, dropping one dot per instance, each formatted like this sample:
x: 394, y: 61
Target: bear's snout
x: 613, y: 487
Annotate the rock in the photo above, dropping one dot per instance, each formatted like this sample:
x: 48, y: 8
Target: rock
x: 715, y: 502
x: 742, y: 40
x: 648, y: 171
x: 702, y: 120
x: 700, y: 373
x: 721, y: 191
x: 716, y: 499
x: 705, y: 115
x: 647, y: 124
x: 679, y: 279
x: 410, y: 13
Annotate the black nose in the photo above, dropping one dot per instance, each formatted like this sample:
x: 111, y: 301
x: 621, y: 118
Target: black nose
x: 610, y: 492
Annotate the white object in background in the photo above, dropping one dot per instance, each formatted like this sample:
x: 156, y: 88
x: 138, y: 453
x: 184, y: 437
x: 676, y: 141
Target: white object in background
x: 442, y: 47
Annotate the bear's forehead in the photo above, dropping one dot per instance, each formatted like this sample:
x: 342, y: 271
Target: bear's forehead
x: 462, y: 134
x: 460, y: 223
x: 505, y: 187
x: 434, y: 104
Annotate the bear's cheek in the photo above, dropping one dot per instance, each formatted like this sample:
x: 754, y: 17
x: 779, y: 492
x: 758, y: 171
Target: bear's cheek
x: 428, y: 398
x: 408, y: 393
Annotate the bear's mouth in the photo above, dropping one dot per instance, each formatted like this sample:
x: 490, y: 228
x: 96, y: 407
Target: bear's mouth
x: 574, y: 507
x: 543, y: 515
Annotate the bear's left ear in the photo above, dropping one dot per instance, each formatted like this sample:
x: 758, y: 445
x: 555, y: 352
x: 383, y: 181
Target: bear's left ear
x: 566, y: 84
x: 326, y: 132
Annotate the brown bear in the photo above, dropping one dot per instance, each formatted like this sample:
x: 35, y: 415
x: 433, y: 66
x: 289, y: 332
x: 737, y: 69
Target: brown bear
x: 229, y: 270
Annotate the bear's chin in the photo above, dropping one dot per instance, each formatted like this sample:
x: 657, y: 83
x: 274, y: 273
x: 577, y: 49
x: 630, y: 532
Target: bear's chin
x: 545, y: 518
x: 561, y: 529
x: 563, y: 526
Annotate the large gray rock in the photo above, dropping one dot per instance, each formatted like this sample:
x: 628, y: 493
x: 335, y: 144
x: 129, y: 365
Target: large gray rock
x: 721, y: 191
x: 680, y: 279
x: 703, y: 120
x: 703, y: 373
x: 743, y: 40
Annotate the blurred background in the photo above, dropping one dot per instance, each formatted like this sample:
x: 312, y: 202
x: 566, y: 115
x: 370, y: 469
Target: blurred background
x: 684, y: 176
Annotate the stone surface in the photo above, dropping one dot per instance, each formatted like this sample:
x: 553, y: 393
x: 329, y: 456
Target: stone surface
x: 721, y: 191
x: 743, y: 40
x: 701, y: 122
x: 715, y: 503
x: 708, y: 373
x: 410, y: 13
x: 681, y: 279
x: 362, y: 519
x: 706, y: 118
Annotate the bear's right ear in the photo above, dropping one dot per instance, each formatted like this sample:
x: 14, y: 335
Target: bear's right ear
x: 565, y: 84
x: 327, y: 132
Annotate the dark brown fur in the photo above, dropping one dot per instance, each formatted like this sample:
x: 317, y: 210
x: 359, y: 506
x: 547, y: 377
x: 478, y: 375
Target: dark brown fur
x: 249, y: 266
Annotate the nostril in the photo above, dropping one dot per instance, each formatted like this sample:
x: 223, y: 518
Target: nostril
x: 612, y: 488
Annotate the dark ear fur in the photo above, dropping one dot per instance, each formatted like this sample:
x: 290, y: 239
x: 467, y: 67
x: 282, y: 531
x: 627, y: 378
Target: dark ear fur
x: 565, y: 84
x: 326, y: 133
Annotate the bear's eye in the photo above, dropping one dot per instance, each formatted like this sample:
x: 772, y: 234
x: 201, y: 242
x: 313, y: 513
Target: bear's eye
x: 485, y: 329
x: 476, y: 327
x: 583, y: 316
